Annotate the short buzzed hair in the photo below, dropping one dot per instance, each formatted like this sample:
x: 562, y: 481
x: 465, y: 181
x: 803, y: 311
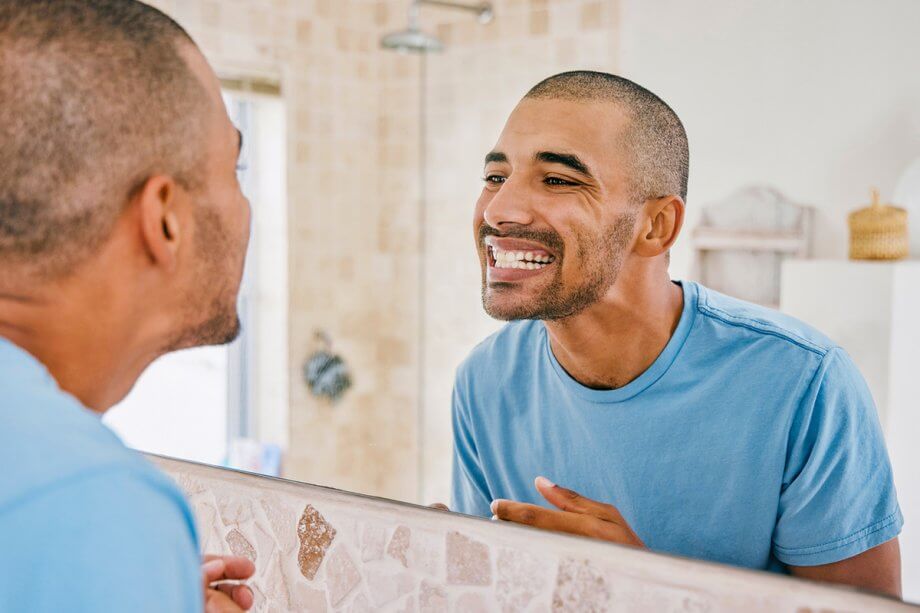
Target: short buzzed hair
x: 655, y: 137
x: 95, y: 97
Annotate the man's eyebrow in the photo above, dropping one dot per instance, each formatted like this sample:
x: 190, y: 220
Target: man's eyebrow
x: 239, y: 134
x: 496, y: 156
x: 566, y: 159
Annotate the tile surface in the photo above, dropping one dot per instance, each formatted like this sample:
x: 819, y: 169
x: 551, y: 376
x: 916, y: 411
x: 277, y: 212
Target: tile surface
x: 320, y: 550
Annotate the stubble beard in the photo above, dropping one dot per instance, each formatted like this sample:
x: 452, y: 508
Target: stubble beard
x: 602, y: 257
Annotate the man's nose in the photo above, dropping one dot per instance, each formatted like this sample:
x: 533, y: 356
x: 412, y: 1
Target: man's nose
x: 509, y: 205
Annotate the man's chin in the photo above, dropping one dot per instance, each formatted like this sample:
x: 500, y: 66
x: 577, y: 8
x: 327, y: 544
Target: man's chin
x: 504, y: 310
x: 219, y: 330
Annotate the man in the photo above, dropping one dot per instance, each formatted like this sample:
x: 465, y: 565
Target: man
x: 690, y: 422
x: 122, y: 237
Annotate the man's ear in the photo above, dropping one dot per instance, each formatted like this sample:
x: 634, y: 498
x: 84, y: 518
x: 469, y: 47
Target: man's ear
x: 661, y: 219
x: 160, y: 228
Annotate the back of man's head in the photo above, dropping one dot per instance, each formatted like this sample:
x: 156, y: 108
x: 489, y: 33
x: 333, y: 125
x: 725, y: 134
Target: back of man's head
x: 95, y: 96
x: 655, y: 139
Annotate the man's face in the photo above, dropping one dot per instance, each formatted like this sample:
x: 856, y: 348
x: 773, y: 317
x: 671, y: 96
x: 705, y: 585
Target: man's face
x: 554, y: 222
x: 220, y: 230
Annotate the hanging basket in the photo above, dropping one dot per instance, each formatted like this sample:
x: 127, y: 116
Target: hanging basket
x: 878, y: 232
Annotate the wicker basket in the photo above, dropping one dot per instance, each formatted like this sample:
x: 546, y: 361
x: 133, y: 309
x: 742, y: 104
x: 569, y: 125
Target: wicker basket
x: 878, y: 232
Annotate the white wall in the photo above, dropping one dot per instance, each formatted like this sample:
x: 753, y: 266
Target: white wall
x: 820, y: 99
x: 178, y: 407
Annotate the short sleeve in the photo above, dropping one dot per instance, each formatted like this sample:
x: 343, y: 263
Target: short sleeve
x: 838, y: 498
x: 469, y: 492
x: 112, y: 541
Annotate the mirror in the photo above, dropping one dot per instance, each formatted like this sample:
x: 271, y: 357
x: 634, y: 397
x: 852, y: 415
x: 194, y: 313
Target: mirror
x: 365, y: 127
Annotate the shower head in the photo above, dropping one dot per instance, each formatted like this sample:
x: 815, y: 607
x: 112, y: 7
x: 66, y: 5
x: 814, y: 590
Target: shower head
x: 412, y: 40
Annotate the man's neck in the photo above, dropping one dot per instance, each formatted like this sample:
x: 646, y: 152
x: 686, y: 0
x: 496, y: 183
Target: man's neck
x: 618, y: 338
x: 90, y: 354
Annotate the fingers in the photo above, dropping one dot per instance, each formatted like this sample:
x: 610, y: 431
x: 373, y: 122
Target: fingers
x: 219, y: 568
x: 227, y: 568
x: 240, y: 594
x: 213, y: 570
x: 538, y: 517
x: 565, y: 521
x: 238, y: 567
x: 573, y: 502
x: 440, y: 506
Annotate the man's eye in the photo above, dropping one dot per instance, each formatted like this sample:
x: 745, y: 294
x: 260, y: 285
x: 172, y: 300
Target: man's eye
x: 242, y: 167
x: 557, y: 181
x: 497, y: 179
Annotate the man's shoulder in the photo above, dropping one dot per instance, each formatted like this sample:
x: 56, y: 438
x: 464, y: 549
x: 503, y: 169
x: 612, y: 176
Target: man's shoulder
x: 121, y: 522
x: 50, y: 440
x: 503, y: 349
x: 744, y: 322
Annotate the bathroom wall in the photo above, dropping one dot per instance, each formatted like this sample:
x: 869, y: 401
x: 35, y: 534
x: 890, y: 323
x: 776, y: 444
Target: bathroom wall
x: 352, y: 206
x: 820, y: 99
x: 320, y: 550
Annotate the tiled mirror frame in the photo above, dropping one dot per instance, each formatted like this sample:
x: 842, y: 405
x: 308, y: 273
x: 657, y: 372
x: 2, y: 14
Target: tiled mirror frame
x: 318, y: 549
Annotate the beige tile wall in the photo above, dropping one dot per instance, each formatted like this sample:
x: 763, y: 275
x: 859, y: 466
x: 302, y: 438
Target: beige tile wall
x: 319, y: 550
x: 354, y: 175
x: 351, y: 232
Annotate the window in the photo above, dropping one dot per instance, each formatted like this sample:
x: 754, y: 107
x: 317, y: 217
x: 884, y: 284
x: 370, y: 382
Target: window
x: 228, y: 405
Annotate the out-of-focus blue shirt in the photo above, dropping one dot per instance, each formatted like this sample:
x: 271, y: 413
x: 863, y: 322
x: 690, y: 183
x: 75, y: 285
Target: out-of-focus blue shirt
x: 752, y: 439
x: 85, y: 523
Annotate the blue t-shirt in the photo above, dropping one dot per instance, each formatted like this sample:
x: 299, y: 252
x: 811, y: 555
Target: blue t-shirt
x: 752, y: 440
x: 85, y: 523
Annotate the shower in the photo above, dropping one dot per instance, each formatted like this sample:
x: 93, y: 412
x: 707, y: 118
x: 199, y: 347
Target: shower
x: 412, y: 39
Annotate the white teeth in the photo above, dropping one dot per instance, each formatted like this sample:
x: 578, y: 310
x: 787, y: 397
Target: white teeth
x: 522, y: 260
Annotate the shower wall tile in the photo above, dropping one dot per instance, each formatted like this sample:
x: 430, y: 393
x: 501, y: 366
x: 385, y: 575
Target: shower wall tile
x: 353, y: 211
x: 364, y: 554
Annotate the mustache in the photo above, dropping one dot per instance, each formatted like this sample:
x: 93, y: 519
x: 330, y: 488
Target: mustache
x: 550, y: 239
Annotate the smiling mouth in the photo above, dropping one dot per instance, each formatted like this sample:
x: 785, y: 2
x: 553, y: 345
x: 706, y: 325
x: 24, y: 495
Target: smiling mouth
x: 522, y: 260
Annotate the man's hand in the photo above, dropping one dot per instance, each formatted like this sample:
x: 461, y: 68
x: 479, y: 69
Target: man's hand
x: 577, y: 515
x: 222, y: 592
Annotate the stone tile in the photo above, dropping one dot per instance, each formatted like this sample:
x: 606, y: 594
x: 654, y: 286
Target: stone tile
x: 306, y: 599
x: 189, y: 484
x: 520, y: 578
x: 580, y: 587
x: 384, y: 587
x: 342, y: 575
x: 539, y: 23
x: 426, y: 553
x: 468, y: 561
x: 399, y: 545
x: 432, y: 598
x: 408, y: 606
x: 281, y: 522
x: 373, y: 542
x: 240, y: 545
x: 315, y: 535
x: 592, y: 16
x: 233, y: 509
x: 276, y: 583
x: 472, y: 603
x: 360, y: 604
